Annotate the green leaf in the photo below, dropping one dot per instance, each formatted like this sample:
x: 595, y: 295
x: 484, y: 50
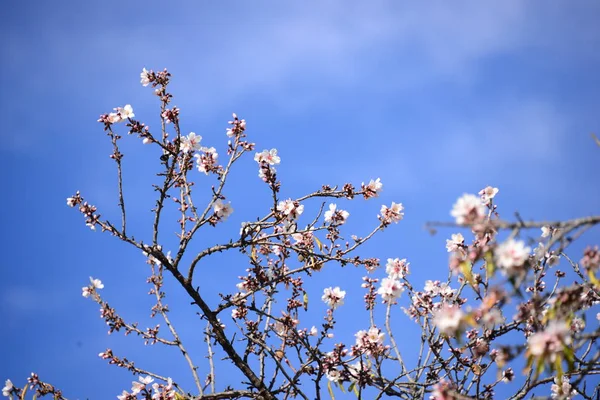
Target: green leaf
x: 319, y: 244
x: 330, y: 389
x: 305, y: 301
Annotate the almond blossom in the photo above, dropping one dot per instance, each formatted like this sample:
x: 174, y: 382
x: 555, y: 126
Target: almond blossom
x: 551, y: 341
x: 207, y: 161
x: 511, y: 255
x: 396, y: 268
x: 268, y: 156
x: 373, y: 189
x: 222, y: 210
x: 562, y: 389
x: 335, y: 216
x: 333, y: 297
x: 190, y: 142
x: 455, y: 243
x: 392, y: 214
x: 145, y: 77
x: 390, y: 290
x: 8, y: 388
x: 137, y: 387
x: 95, y: 284
x: 488, y: 194
x: 290, y: 209
x: 448, y: 319
x: 468, y: 209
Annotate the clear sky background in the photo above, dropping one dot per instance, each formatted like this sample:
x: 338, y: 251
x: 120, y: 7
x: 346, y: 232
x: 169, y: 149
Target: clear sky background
x: 435, y: 99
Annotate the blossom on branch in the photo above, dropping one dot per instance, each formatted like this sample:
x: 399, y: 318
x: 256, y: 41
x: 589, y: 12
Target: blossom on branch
x: 222, y: 210
x: 95, y: 284
x: 390, y: 290
x: 333, y: 297
x: 335, y: 216
x: 448, y: 319
x: 488, y: 194
x: 391, y: 214
x: 190, y: 142
x: 468, y: 209
x: 511, y: 255
x: 372, y: 189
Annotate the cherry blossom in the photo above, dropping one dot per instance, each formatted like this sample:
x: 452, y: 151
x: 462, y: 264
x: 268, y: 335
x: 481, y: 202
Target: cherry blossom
x: 488, y: 194
x: 222, y: 210
x: 511, y: 255
x: 390, y: 289
x: 333, y: 297
x: 268, y: 156
x: 190, y: 142
x: 396, y: 268
x: 468, y: 209
x: 392, y: 214
x: 448, y: 319
x: 335, y: 216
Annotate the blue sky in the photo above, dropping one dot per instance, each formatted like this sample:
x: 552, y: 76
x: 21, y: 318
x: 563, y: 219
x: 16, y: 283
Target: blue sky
x: 437, y: 100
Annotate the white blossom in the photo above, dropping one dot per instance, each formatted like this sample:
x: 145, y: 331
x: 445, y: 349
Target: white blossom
x: 145, y: 77
x: 448, y: 319
x: 468, y: 209
x: 137, y: 387
x: 7, y: 389
x: 510, y: 255
x: 335, y: 216
x: 268, y: 156
x: 333, y: 297
x: 190, y: 142
x: 392, y: 214
x: 455, y: 243
x: 390, y: 289
x: 222, y: 210
x: 488, y: 194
